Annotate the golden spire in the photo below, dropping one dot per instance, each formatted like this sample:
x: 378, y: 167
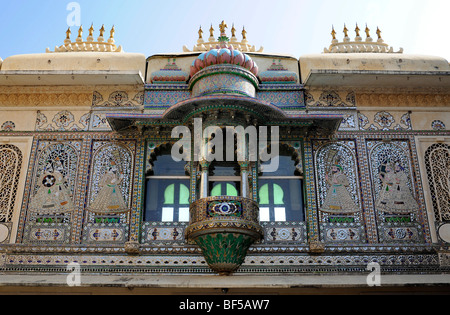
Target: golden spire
x: 244, y: 34
x: 112, y: 32
x: 68, y: 33
x: 80, y: 31
x: 200, y: 33
x: 367, y: 30
x: 91, y: 30
x: 333, y: 32
x: 233, y: 31
x: 211, y: 31
x: 102, y: 30
x: 222, y: 27
x: 345, y: 31
x: 378, y: 33
x: 357, y: 30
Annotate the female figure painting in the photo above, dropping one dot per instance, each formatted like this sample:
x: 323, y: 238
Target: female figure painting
x: 338, y: 199
x: 109, y: 199
x: 395, y: 196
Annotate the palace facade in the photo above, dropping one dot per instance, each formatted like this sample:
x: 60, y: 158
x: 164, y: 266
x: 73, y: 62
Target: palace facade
x: 336, y: 174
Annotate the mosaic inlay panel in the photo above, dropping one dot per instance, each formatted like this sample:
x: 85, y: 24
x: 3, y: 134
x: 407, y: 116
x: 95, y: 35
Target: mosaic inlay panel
x: 396, y: 198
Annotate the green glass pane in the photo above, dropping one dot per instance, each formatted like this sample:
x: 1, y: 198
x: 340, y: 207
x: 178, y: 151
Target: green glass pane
x: 184, y: 195
x: 231, y: 190
x: 169, y: 195
x: 217, y: 190
x: 278, y: 195
x: 264, y: 195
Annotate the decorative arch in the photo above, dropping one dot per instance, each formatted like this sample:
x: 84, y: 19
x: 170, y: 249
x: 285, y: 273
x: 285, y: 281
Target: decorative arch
x: 337, y: 179
x: 387, y: 158
x: 116, y: 157
x: 55, y: 178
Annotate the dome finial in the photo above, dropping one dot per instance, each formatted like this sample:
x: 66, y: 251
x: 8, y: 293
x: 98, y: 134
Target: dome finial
x: 80, y: 34
x: 244, y: 34
x: 333, y: 32
x: 345, y: 31
x: 367, y: 30
x: 379, y: 34
x: 90, y: 37
x: 211, y: 32
x: 222, y: 27
x: 67, y: 41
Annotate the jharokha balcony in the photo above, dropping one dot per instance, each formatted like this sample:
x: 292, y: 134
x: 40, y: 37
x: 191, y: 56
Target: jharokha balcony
x: 224, y: 227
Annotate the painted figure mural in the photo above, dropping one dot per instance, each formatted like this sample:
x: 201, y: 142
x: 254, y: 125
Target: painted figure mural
x: 109, y: 199
x: 395, y: 196
x: 338, y: 199
x: 52, y: 197
x: 111, y: 172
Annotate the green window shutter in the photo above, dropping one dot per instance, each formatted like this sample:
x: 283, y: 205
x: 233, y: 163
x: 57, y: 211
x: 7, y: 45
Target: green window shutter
x: 278, y: 195
x: 264, y: 195
x: 184, y: 195
x: 217, y: 190
x: 169, y: 195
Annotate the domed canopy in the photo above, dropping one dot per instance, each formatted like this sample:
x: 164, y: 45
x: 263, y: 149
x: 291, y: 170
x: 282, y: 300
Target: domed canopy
x: 224, y: 54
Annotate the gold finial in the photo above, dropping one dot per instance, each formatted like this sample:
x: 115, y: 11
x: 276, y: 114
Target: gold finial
x: 233, y: 31
x: 345, y: 31
x: 367, y: 31
x: 244, y: 33
x: 112, y: 32
x: 91, y: 30
x: 357, y: 30
x: 378, y: 33
x: 68, y: 33
x: 333, y: 32
x: 211, y: 31
x: 200, y: 33
x: 222, y: 27
x: 80, y: 31
x: 102, y: 30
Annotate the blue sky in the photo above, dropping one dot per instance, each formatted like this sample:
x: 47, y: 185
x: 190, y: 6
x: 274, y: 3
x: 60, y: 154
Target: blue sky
x: 294, y: 27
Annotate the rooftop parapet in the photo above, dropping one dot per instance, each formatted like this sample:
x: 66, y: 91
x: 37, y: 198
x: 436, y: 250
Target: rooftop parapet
x: 358, y: 45
x: 89, y: 45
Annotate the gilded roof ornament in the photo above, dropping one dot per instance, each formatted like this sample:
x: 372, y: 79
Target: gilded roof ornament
x: 358, y: 45
x: 333, y: 33
x: 213, y: 42
x: 222, y: 27
x: 89, y: 45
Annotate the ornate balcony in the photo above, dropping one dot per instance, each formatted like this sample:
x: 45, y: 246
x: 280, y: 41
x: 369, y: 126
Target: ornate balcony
x: 224, y: 227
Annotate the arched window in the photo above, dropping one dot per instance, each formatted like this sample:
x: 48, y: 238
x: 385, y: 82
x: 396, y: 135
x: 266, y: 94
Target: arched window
x: 281, y: 192
x: 167, y: 189
x: 224, y: 179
